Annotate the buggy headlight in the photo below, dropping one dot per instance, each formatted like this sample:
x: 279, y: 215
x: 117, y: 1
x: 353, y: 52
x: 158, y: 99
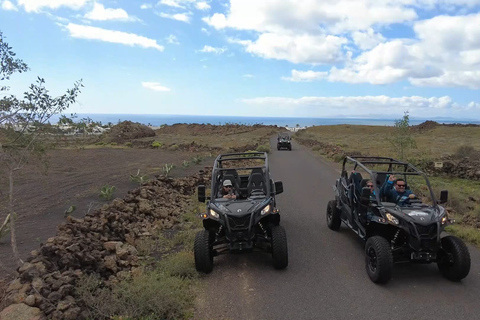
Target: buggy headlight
x: 213, y: 214
x: 444, y: 219
x: 391, y: 218
x: 265, y: 210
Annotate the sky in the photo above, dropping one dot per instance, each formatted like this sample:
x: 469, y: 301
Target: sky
x: 259, y: 58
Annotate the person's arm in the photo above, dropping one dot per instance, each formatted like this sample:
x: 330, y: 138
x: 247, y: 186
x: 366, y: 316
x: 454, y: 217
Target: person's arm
x: 387, y: 187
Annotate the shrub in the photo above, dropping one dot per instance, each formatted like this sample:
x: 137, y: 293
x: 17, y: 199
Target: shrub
x: 467, y: 151
x: 173, y: 147
x: 197, y: 159
x: 167, y: 168
x: 106, y: 192
x: 264, y: 148
x: 140, y: 179
x: 154, y: 294
x: 316, y: 148
x: 156, y: 144
x: 129, y: 144
x: 185, y: 163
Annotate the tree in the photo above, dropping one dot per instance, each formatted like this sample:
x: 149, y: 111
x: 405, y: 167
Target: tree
x: 402, y: 139
x: 23, y: 123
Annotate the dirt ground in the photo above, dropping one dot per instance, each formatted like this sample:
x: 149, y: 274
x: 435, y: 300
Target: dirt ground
x: 75, y: 177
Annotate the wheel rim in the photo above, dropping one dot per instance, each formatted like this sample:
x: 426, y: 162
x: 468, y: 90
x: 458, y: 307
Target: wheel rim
x: 372, y: 259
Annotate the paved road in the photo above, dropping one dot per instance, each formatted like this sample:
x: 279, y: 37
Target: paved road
x: 326, y: 276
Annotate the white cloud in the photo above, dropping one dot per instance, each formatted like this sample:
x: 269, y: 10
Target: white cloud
x: 146, y: 6
x: 370, y: 106
x: 368, y: 39
x: 184, y: 17
x: 36, y: 5
x: 101, y: 14
x: 112, y: 36
x: 248, y: 76
x: 155, y: 86
x: 202, y: 5
x: 445, y: 54
x: 306, y: 76
x: 7, y: 5
x: 336, y: 16
x: 296, y: 48
x: 172, y: 39
x: 210, y: 49
x: 171, y: 3
x: 205, y: 31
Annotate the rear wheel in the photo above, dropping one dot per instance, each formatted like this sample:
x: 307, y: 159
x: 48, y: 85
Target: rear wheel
x: 378, y: 259
x: 279, y: 247
x: 454, y: 259
x: 203, y: 251
x: 333, y: 215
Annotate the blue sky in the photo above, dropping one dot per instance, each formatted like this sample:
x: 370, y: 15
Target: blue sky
x: 309, y: 58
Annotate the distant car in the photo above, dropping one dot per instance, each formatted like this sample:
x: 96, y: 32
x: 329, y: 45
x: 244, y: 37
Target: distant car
x: 284, y: 142
x: 393, y: 233
x: 252, y: 221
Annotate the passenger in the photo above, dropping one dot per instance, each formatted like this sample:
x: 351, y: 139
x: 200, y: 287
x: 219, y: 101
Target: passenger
x: 369, y: 184
x: 395, y: 191
x: 228, y: 191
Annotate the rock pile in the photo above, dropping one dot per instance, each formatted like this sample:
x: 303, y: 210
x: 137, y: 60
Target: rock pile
x: 102, y: 243
x: 126, y: 131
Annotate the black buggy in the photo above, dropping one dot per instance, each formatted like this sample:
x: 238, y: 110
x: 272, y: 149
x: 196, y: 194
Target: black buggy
x: 393, y: 233
x: 249, y: 222
x: 284, y: 141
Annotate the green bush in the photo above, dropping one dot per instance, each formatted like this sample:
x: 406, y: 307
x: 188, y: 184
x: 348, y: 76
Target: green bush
x: 154, y: 294
x: 316, y: 148
x: 129, y: 144
x: 173, y: 147
x: 156, y: 144
x: 167, y: 168
x: 106, y: 192
x: 264, y: 148
x: 138, y: 178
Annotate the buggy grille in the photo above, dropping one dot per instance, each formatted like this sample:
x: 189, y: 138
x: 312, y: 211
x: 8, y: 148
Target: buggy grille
x: 239, y: 222
x: 429, y: 231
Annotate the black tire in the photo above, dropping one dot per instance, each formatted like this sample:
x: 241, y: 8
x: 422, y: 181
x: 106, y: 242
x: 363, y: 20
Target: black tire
x: 333, y: 215
x: 378, y: 259
x: 454, y: 259
x: 290, y: 148
x: 203, y: 251
x: 279, y: 247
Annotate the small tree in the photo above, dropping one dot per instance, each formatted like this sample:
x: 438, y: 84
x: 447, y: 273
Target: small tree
x: 22, y: 124
x: 402, y: 139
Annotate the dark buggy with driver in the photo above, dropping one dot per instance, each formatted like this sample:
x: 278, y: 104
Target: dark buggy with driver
x: 284, y: 141
x: 251, y: 221
x: 410, y: 230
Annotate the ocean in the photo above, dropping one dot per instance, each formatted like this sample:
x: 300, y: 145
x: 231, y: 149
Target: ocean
x: 160, y: 119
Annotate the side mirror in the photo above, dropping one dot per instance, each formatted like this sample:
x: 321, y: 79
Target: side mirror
x: 278, y: 187
x: 201, y: 193
x: 443, y: 196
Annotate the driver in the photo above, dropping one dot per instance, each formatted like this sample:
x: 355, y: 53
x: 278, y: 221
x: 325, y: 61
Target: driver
x: 228, y: 191
x: 395, y: 191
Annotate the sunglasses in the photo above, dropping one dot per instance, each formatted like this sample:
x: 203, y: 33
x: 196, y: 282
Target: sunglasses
x: 401, y: 185
x: 228, y: 187
x: 370, y: 185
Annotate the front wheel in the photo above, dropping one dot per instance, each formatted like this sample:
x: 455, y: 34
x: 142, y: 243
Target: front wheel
x: 454, y: 259
x: 279, y: 247
x: 333, y: 215
x: 378, y: 259
x: 203, y: 251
